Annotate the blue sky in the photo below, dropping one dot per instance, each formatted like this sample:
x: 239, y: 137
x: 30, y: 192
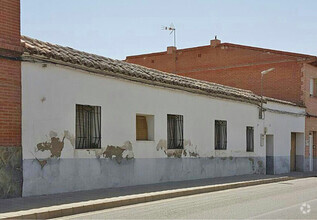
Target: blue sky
x: 119, y: 28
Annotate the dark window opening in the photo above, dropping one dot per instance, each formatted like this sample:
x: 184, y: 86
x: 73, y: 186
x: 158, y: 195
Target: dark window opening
x: 88, y: 127
x: 175, y: 132
x: 220, y: 135
x: 250, y: 139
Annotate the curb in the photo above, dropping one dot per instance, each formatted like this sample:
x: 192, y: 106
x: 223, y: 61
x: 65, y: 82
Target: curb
x: 100, y: 204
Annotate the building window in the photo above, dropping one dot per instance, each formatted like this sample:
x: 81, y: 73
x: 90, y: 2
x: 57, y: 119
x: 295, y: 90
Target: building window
x: 220, y: 135
x: 250, y: 139
x: 88, y: 127
x: 175, y: 132
x: 141, y: 128
x: 144, y: 127
x: 313, y: 87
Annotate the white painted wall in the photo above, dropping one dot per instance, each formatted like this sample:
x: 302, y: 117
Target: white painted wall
x: 49, y: 96
x: 63, y: 88
x: 281, y: 126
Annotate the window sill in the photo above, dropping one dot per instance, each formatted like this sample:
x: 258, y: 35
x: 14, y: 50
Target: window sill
x: 145, y: 140
x: 174, y: 152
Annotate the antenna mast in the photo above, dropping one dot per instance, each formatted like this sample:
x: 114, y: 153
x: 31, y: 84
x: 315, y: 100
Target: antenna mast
x: 172, y: 29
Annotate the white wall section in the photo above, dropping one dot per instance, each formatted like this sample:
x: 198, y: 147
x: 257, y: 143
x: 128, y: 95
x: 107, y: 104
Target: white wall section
x: 52, y: 164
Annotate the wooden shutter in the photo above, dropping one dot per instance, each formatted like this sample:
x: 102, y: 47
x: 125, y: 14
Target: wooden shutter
x: 141, y: 128
x: 314, y: 87
x: 311, y: 87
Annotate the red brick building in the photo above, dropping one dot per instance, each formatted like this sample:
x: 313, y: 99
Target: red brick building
x: 294, y: 78
x: 10, y: 99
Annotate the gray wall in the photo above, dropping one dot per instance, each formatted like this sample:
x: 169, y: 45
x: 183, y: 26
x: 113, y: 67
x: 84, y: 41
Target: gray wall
x: 66, y: 175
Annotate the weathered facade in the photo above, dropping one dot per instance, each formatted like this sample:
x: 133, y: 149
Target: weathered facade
x: 55, y: 80
x: 294, y: 77
x: 76, y: 121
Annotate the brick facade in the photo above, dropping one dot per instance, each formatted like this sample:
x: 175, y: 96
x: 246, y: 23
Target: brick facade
x: 234, y: 66
x: 240, y: 66
x: 10, y: 74
x: 10, y: 99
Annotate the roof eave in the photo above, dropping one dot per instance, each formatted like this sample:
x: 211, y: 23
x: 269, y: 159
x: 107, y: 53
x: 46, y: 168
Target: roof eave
x: 38, y: 58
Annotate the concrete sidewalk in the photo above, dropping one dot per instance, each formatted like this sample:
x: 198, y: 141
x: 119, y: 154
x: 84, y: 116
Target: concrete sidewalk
x: 58, y: 205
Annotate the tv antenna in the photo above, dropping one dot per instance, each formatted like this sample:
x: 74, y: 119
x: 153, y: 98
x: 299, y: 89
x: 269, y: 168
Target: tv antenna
x: 173, y: 31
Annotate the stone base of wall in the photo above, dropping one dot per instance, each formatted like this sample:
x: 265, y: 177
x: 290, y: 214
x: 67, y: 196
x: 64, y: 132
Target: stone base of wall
x: 281, y: 164
x: 270, y: 165
x: 300, y: 163
x: 306, y: 164
x: 67, y: 175
x: 10, y: 172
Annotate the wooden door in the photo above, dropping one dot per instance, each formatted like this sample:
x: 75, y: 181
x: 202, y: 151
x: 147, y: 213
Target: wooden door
x: 293, y: 152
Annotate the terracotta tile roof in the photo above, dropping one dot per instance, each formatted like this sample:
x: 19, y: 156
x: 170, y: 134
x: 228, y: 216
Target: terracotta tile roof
x: 36, y: 50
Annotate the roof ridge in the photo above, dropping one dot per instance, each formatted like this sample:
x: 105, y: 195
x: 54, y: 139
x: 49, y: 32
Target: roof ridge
x: 267, y: 49
x: 286, y: 53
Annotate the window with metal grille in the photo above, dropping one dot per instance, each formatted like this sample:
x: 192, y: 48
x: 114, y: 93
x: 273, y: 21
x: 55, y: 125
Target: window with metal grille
x: 250, y: 139
x: 88, y: 127
x: 175, y: 132
x: 220, y: 135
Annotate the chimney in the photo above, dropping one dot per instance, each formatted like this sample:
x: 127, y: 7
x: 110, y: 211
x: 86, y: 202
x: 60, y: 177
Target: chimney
x: 215, y: 42
x: 171, y: 50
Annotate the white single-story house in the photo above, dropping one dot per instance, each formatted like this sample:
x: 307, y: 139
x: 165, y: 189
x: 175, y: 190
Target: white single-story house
x: 92, y: 122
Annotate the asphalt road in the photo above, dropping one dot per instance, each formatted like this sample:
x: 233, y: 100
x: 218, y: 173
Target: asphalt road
x: 295, y: 199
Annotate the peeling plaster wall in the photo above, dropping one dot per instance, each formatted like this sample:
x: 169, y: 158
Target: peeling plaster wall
x: 52, y: 164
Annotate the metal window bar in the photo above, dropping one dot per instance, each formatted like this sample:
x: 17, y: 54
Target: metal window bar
x: 220, y: 135
x: 88, y: 127
x: 250, y: 139
x: 175, y: 132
